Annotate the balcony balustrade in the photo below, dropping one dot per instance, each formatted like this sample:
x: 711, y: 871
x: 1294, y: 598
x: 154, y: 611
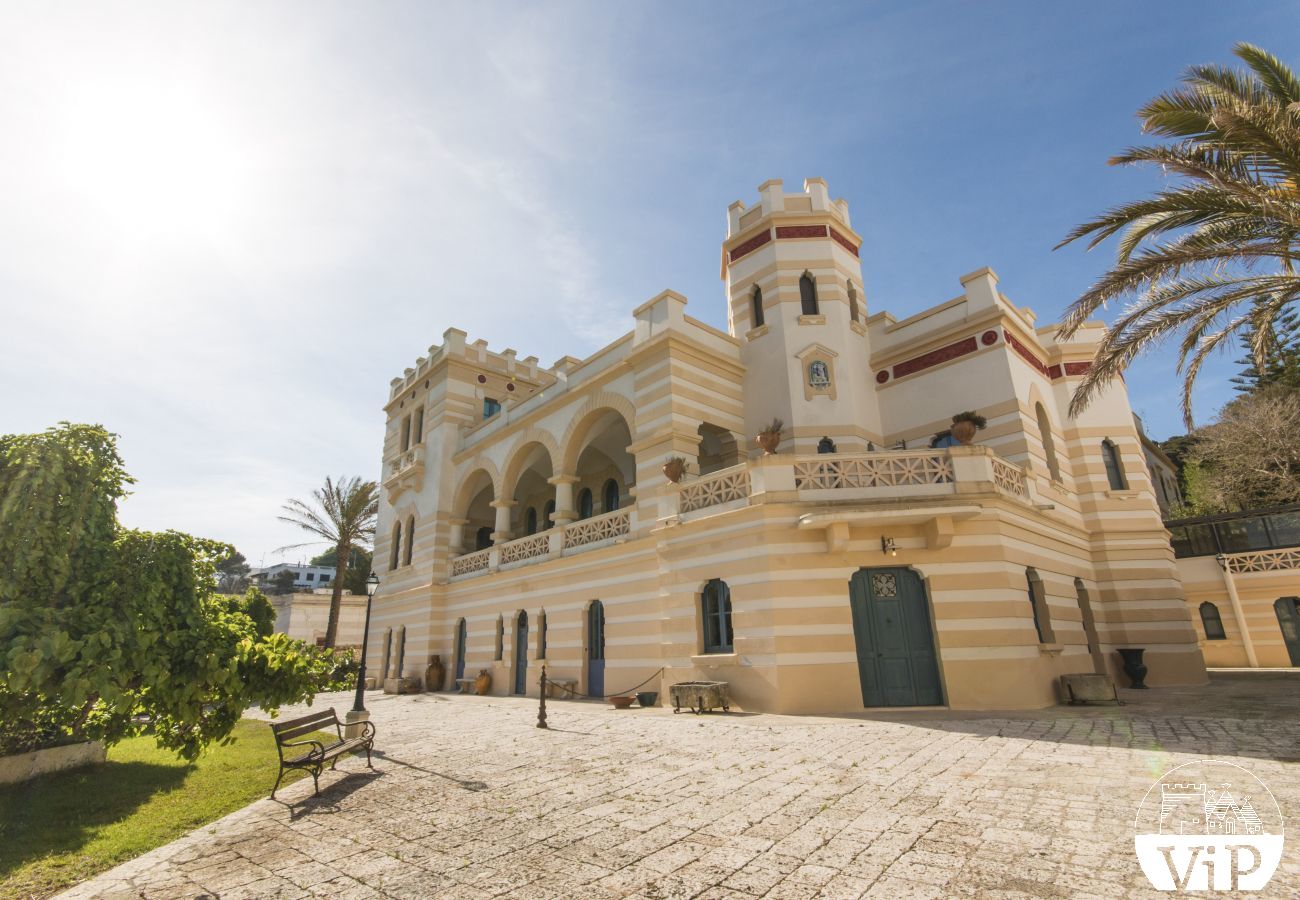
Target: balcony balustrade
x: 405, y: 471
x: 563, y: 540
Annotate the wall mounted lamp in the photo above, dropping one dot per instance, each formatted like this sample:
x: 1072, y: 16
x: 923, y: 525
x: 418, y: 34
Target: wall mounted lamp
x: 887, y: 546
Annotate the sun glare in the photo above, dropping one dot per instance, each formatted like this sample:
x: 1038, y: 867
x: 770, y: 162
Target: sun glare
x: 152, y: 162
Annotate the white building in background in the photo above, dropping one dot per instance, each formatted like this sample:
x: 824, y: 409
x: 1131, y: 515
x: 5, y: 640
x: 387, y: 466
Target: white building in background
x: 305, y: 577
x: 305, y: 616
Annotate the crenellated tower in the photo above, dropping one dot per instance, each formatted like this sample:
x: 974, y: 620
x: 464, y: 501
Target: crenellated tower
x: 796, y: 302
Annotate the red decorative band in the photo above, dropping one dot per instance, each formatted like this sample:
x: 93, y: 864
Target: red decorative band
x: 800, y: 231
x: 1053, y: 372
x: 1027, y: 354
x: 882, y: 376
x: 751, y: 245
x: 989, y: 338
x: 844, y: 242
x: 935, y: 357
x: 1077, y: 368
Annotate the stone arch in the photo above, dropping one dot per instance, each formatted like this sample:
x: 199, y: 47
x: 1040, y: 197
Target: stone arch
x: 467, y: 485
x: 585, y: 417
x: 518, y: 457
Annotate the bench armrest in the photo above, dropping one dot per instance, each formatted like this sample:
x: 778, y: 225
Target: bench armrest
x: 317, y: 753
x: 367, y: 731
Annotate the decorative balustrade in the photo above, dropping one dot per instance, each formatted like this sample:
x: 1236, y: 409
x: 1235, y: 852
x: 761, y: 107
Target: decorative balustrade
x: 1009, y: 478
x: 598, y: 528
x: 406, y: 470
x: 716, y: 488
x: 1263, y: 560
x: 886, y: 469
x: 530, y: 547
x: 471, y: 562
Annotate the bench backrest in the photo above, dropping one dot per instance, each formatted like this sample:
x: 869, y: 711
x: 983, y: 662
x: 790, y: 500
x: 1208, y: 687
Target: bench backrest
x: 296, y: 728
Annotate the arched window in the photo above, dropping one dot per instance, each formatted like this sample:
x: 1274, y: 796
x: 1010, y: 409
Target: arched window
x: 853, y: 303
x: 397, y: 545
x: 501, y: 638
x: 530, y: 520
x: 406, y: 434
x: 808, y: 294
x: 756, y: 304
x: 483, y: 538
x: 541, y: 635
x: 610, y: 495
x: 1213, y: 623
x: 548, y: 514
x: 1114, y: 467
x: 417, y: 430
x: 715, y: 608
x: 1049, y: 444
x: 584, y: 504
x: 410, y: 540
x: 1038, y: 606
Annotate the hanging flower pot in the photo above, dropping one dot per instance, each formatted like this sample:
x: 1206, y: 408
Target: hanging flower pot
x: 675, y: 468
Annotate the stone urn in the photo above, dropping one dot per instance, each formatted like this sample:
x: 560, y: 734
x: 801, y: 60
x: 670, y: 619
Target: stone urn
x: 1134, y: 668
x: 434, y: 674
x: 483, y: 683
x: 963, y: 432
x: 770, y: 437
x: 674, y: 469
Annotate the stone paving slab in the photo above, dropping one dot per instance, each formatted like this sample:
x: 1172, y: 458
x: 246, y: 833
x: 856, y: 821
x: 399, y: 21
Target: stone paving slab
x: 468, y: 799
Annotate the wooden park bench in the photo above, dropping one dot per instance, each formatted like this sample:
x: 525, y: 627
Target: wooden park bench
x: 314, y: 759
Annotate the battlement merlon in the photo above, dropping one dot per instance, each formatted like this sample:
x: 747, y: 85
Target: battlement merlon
x: 1182, y: 788
x: 814, y: 199
x: 455, y: 346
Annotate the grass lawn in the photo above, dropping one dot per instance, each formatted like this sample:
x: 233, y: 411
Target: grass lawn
x: 61, y: 829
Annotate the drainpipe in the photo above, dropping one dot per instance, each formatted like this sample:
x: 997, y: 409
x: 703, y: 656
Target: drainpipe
x: 1237, y: 611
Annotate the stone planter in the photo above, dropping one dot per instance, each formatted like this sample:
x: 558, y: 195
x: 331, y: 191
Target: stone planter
x: 402, y: 686
x: 1134, y: 668
x: 699, y: 696
x: 22, y: 767
x: 621, y: 702
x: 769, y: 441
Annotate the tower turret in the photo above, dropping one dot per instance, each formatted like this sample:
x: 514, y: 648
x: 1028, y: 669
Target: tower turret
x: 796, y: 301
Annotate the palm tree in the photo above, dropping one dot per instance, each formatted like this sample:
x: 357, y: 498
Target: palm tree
x: 344, y: 515
x: 1212, y: 255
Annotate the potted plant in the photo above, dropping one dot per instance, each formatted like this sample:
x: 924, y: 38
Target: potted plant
x: 675, y: 468
x: 965, y: 424
x: 770, y: 437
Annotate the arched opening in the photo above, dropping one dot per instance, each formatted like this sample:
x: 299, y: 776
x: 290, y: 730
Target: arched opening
x: 609, y: 499
x: 853, y: 303
x: 1288, y: 619
x: 598, y: 453
x: 1212, y: 622
x: 417, y: 427
x: 1049, y: 444
x: 897, y: 661
x: 521, y: 652
x: 541, y: 636
x: 474, y: 504
x: 715, y: 613
x: 807, y: 294
x: 718, y: 449
x: 396, y: 551
x: 595, y: 649
x: 1114, y: 466
x: 501, y: 638
x: 527, y: 478
x: 1089, y: 626
x: 1038, y: 607
x: 410, y: 541
x: 548, y: 514
x: 756, y: 304
x: 462, y: 636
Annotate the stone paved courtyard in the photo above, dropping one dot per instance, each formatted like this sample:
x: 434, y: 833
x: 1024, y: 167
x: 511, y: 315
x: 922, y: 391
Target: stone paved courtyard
x: 470, y: 799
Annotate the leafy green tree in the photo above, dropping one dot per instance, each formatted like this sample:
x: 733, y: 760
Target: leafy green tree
x: 1250, y: 455
x: 282, y: 583
x: 233, y: 573
x: 344, y: 516
x: 254, y: 604
x: 105, y: 631
x: 1211, y: 256
x: 358, y: 569
x: 1282, y: 365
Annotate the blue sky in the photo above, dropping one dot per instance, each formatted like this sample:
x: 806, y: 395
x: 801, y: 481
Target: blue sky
x: 228, y: 226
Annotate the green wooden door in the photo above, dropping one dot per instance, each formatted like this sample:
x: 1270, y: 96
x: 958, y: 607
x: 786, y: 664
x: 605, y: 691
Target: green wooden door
x: 897, y: 662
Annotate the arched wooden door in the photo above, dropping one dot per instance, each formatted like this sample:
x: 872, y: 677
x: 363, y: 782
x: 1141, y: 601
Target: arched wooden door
x: 521, y: 653
x: 897, y: 662
x: 1288, y: 619
x: 596, y: 649
x: 460, y: 648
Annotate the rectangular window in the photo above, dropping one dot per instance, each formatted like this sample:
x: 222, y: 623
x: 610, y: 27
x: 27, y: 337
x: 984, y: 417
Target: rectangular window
x: 311, y: 576
x: 324, y: 578
x: 1285, y: 529
x: 490, y: 407
x: 1242, y: 535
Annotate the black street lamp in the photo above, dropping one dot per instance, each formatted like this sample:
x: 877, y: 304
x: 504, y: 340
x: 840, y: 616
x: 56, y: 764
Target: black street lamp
x: 372, y: 585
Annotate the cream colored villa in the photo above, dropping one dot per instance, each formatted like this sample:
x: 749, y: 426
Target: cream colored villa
x: 527, y: 518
